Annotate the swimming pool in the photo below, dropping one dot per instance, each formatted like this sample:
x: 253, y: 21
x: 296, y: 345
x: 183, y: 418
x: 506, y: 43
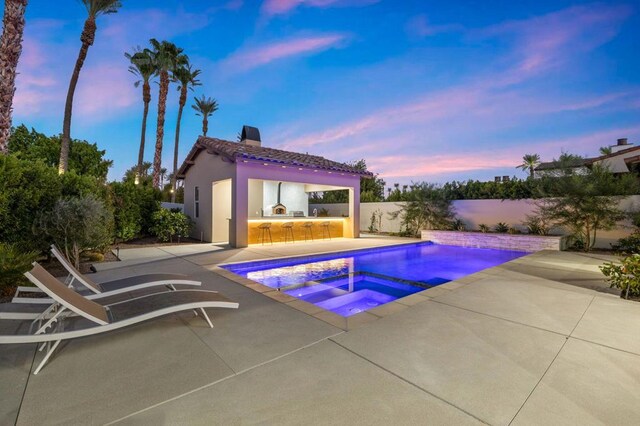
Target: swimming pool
x: 351, y: 282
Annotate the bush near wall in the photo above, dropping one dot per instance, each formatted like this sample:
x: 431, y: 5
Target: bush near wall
x: 134, y: 207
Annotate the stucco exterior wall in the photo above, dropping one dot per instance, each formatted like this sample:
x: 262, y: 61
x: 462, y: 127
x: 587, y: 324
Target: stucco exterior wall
x: 616, y: 163
x: 207, y: 169
x: 476, y: 212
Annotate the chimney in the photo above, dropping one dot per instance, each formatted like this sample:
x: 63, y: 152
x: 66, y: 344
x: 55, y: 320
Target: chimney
x: 622, y: 141
x: 250, y: 136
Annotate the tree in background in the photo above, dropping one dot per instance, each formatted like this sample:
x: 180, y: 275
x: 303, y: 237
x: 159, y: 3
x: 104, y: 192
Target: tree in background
x: 187, y: 78
x: 94, y: 8
x: 10, y: 50
x: 585, y: 202
x: 84, y: 158
x: 78, y: 224
x: 144, y: 67
x: 167, y: 57
x: 205, y: 107
x: 530, y: 162
x: 605, y: 150
x: 371, y: 189
x: 427, y: 207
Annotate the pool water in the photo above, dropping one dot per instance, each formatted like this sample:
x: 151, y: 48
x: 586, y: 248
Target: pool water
x: 351, y: 282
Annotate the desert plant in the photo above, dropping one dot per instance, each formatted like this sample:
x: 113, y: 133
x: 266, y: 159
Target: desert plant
x: 529, y: 163
x: 14, y: 262
x: 625, y: 275
x: 501, y: 227
x: 538, y: 224
x: 205, y: 107
x: 484, y: 228
x: 427, y: 207
x: 585, y: 203
x: 186, y: 78
x: 167, y: 57
x: 143, y: 67
x: 323, y: 212
x: 512, y: 230
x: 94, y: 8
x: 170, y: 223
x: 375, y: 224
x: 458, y: 225
x: 10, y: 50
x: 628, y: 245
x: 78, y: 224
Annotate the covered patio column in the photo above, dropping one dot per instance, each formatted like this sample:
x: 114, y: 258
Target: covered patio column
x: 238, y: 232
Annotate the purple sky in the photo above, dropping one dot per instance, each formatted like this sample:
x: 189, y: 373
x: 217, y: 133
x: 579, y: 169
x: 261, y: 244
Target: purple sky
x: 421, y: 90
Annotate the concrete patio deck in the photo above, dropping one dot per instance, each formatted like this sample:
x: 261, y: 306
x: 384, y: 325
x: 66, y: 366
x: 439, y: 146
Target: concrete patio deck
x: 538, y: 340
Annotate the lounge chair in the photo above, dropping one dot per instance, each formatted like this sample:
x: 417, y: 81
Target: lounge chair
x: 105, y: 289
x: 104, y: 318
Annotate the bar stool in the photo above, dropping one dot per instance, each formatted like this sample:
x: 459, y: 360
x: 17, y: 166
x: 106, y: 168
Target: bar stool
x: 287, y: 228
x: 325, y: 229
x: 308, y: 230
x: 265, y: 228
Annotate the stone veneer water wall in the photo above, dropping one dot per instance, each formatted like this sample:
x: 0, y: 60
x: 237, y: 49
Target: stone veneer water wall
x: 518, y: 242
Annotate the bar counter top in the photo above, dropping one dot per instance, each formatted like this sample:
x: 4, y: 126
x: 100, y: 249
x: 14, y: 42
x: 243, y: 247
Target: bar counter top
x: 293, y: 218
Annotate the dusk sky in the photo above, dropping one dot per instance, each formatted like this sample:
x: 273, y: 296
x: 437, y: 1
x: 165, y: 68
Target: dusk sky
x: 421, y: 90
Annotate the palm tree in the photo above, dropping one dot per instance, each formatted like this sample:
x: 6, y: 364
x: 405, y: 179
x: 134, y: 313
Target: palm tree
x: 94, y: 8
x: 205, y: 107
x: 10, y: 50
x: 529, y: 162
x: 605, y: 150
x: 186, y: 79
x: 167, y: 57
x: 144, y: 67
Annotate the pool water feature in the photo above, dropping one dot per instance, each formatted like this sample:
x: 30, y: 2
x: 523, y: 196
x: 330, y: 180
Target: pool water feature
x: 348, y: 283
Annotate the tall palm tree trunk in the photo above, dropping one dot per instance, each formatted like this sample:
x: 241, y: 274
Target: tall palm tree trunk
x: 10, y: 50
x: 146, y: 98
x: 205, y: 126
x: 162, y: 107
x: 87, y: 37
x: 183, y: 101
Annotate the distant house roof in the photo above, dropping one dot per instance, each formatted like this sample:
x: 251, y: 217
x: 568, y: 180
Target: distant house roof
x: 584, y: 162
x: 234, y: 151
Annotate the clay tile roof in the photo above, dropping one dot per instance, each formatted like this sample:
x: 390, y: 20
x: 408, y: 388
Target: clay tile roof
x: 234, y: 151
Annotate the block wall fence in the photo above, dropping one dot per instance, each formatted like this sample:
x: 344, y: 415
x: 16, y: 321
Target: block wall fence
x: 476, y: 212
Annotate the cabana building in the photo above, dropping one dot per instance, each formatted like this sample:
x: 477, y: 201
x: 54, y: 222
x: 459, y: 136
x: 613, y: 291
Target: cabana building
x: 244, y: 193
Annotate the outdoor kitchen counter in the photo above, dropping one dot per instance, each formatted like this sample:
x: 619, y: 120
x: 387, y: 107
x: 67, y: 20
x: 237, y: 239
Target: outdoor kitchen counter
x: 336, y: 227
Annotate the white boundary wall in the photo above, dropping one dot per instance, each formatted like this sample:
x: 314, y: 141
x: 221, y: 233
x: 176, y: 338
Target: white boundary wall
x: 476, y: 212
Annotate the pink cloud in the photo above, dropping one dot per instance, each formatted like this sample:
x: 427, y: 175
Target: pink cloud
x: 420, y: 167
x: 281, y: 7
x: 246, y: 59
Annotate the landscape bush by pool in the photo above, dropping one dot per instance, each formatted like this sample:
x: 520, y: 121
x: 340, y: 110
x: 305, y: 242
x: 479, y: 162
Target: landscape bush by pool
x: 351, y: 282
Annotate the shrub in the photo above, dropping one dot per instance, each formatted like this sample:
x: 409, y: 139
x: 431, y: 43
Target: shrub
x: 376, y: 221
x: 427, y: 208
x: 25, y: 189
x: 14, y: 262
x: 134, y: 206
x: 501, y: 227
x: 458, y: 225
x: 538, y: 224
x: 484, y: 228
x: 168, y: 223
x: 628, y: 245
x: 323, y: 212
x: 78, y: 224
x: 625, y: 276
x: 585, y: 203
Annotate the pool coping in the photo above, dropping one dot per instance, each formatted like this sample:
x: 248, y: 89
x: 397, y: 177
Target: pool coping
x: 357, y: 320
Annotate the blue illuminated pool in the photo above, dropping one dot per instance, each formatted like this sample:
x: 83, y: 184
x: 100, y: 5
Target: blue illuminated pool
x: 351, y: 282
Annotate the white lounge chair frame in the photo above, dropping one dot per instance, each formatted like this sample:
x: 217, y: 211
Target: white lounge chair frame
x: 138, y: 282
x: 68, y: 303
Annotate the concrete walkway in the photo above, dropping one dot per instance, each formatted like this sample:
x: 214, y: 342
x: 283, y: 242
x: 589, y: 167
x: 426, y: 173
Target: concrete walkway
x: 534, y: 341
